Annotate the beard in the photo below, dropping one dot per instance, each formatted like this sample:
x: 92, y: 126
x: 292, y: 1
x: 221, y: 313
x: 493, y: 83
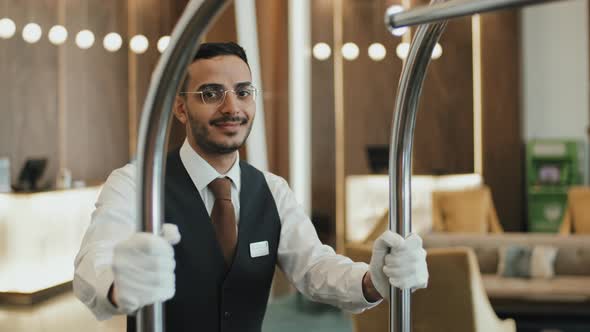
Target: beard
x: 201, y: 135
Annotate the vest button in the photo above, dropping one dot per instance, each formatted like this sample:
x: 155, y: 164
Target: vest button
x: 226, y: 315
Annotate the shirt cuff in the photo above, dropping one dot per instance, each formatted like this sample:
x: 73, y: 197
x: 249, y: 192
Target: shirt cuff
x: 357, y: 275
x: 104, y: 308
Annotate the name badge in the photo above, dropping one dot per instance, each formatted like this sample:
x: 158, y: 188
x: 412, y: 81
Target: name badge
x: 258, y: 249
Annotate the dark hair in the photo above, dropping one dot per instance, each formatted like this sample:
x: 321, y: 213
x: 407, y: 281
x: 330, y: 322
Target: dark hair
x: 212, y: 50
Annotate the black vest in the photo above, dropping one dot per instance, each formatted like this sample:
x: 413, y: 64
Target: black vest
x: 208, y: 297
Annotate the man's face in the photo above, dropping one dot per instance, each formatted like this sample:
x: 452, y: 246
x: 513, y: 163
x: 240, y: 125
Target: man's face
x: 218, y: 128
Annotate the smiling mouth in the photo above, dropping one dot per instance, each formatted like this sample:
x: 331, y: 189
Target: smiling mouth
x: 229, y: 122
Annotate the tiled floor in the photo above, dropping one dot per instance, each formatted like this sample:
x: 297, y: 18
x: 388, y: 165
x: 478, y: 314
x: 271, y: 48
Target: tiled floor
x: 64, y: 313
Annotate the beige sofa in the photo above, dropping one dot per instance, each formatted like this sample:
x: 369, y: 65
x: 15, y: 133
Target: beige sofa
x: 570, y: 285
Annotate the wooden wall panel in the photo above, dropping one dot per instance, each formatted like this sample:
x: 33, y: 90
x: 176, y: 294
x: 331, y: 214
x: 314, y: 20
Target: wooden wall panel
x: 28, y: 111
x: 369, y: 86
x: 153, y: 19
x: 323, y: 147
x: 224, y: 28
x: 443, y: 142
x: 502, y: 134
x: 95, y: 92
x: 273, y: 42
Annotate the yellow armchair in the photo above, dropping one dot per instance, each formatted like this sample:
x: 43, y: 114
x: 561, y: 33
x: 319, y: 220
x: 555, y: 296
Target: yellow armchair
x: 465, y: 211
x: 577, y: 214
x: 455, y: 300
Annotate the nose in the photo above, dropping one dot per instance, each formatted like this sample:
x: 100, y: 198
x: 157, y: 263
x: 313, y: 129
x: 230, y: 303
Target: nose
x: 230, y: 104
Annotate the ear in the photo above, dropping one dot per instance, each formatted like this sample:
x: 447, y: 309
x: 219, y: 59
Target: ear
x: 180, y: 110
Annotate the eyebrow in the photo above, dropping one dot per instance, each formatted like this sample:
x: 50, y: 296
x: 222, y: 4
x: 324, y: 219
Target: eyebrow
x: 220, y: 86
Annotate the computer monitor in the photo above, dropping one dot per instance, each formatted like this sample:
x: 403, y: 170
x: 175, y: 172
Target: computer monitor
x: 30, y: 174
x: 378, y: 156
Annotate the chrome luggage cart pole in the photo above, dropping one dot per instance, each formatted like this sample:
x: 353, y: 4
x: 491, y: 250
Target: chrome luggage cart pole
x: 406, y: 108
x: 400, y: 154
x: 154, y: 129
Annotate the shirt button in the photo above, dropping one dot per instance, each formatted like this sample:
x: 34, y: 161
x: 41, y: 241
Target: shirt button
x: 226, y: 315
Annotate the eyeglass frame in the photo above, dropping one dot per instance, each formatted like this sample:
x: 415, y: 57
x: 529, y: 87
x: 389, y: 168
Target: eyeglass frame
x: 254, y: 90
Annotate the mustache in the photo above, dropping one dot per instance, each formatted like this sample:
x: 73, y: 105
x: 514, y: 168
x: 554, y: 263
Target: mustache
x: 241, y: 119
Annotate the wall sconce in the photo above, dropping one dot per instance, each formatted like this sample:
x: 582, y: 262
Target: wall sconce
x: 377, y: 52
x: 398, y: 32
x: 437, y: 51
x: 139, y: 44
x: 163, y: 43
x: 85, y: 39
x: 321, y: 51
x: 350, y: 51
x: 7, y: 28
x: 112, y: 42
x: 402, y: 50
x: 57, y: 34
x: 32, y: 33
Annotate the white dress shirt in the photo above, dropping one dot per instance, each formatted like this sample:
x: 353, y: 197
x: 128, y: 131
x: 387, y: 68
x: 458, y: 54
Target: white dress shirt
x: 315, y: 269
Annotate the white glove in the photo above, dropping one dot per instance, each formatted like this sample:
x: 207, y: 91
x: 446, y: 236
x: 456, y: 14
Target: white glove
x: 398, y: 262
x: 143, y: 269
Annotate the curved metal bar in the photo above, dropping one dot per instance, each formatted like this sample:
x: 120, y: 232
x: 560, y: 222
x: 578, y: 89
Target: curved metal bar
x: 400, y: 155
x: 451, y: 9
x: 155, y: 127
x: 406, y: 108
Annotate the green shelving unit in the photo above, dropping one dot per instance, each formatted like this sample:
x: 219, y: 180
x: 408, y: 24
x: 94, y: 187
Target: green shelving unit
x: 552, y: 166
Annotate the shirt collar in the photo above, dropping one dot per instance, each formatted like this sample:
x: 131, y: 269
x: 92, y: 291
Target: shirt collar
x: 202, y: 173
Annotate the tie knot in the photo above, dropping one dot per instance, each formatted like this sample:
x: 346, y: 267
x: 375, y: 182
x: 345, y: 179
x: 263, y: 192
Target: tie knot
x: 221, y: 188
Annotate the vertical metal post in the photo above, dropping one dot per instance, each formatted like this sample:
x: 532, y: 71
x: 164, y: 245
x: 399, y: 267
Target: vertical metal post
x: 155, y: 127
x: 400, y: 154
x: 406, y: 107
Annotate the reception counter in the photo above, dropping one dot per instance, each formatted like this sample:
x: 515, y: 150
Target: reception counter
x: 40, y: 234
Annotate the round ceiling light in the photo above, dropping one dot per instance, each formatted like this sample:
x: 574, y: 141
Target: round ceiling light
x: 402, y: 50
x: 163, y: 43
x: 32, y: 33
x: 85, y: 39
x: 394, y: 10
x: 58, y: 34
x: 350, y: 51
x: 437, y: 51
x: 112, y: 42
x: 321, y: 51
x: 377, y: 52
x: 139, y: 44
x: 7, y: 28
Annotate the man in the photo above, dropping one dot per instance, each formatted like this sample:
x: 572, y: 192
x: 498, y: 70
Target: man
x: 236, y: 223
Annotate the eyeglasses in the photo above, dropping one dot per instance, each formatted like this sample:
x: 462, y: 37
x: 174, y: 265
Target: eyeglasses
x: 216, y: 96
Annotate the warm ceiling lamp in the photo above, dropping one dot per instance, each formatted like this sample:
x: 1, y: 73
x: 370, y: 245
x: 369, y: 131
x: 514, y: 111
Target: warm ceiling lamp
x: 321, y: 51
x: 163, y: 43
x: 85, y: 39
x: 402, y: 50
x: 139, y: 44
x: 377, y: 52
x: 32, y: 33
x: 7, y: 28
x: 350, y: 51
x: 394, y: 10
x: 57, y: 35
x: 437, y: 51
x: 112, y: 42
